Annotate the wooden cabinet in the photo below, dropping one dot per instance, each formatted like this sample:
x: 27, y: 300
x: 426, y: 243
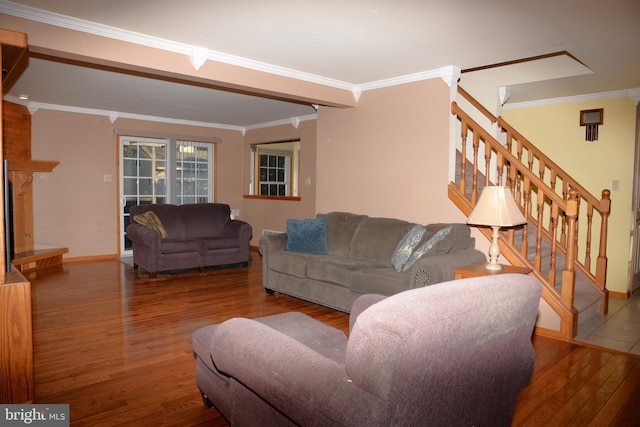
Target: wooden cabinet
x: 17, y: 383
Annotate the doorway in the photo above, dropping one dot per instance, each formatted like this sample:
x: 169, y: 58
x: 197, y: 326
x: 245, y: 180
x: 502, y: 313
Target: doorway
x: 635, y: 261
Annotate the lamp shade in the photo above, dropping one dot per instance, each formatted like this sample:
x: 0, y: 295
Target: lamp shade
x: 496, y: 207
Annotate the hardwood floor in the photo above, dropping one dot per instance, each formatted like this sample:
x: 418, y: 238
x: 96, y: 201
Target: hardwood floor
x: 117, y: 349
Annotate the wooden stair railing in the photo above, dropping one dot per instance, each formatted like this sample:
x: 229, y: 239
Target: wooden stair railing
x: 555, y: 216
x: 548, y: 169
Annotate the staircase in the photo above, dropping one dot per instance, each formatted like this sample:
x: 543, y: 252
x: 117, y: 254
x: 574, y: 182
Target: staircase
x: 564, y: 219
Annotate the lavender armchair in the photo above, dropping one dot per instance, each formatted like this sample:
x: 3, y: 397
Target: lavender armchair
x: 455, y: 353
x: 198, y: 235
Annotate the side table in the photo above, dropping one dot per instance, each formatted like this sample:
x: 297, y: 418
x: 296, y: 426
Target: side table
x: 477, y: 270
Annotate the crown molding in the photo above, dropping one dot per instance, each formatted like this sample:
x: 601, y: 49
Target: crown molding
x: 634, y: 94
x: 568, y: 99
x: 33, y: 107
x: 294, y: 121
x: 198, y: 55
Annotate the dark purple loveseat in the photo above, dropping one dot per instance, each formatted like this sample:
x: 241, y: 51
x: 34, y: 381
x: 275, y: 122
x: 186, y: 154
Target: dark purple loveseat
x: 452, y: 354
x: 198, y: 235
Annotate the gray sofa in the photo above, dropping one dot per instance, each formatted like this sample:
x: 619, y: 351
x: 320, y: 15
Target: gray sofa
x: 454, y: 354
x: 197, y: 235
x: 358, y: 260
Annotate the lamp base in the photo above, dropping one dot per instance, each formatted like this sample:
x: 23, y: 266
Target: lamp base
x: 493, y: 267
x: 494, y: 251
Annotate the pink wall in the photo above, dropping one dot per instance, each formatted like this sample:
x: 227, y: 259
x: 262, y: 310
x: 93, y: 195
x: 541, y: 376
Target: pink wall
x: 76, y: 208
x: 389, y: 155
x: 273, y: 214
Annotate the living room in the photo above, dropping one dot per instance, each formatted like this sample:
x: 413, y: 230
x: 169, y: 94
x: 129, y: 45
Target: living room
x: 414, y: 116
x: 354, y: 153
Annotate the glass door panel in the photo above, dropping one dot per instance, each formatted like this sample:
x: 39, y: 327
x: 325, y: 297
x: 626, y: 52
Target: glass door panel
x: 143, y: 178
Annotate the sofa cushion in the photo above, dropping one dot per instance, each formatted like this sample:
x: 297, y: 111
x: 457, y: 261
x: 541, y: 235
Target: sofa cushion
x: 220, y: 242
x: 438, y: 243
x: 307, y: 236
x: 205, y: 219
x: 169, y: 215
x: 376, y: 239
x: 173, y: 246
x: 383, y: 281
x: 290, y: 263
x: 406, y: 246
x: 335, y: 269
x: 341, y: 226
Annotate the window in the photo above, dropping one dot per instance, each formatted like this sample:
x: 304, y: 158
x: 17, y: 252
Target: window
x: 274, y: 175
x: 192, y: 172
x: 274, y: 169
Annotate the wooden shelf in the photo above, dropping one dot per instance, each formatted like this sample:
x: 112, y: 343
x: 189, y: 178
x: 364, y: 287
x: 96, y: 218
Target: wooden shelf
x: 32, y: 165
x: 38, y: 259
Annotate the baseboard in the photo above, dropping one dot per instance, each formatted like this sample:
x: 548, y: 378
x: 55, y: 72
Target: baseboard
x: 548, y: 333
x: 79, y: 259
x: 623, y: 295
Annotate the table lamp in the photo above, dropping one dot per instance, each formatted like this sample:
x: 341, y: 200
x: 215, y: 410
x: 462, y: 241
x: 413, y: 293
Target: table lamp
x: 496, y: 208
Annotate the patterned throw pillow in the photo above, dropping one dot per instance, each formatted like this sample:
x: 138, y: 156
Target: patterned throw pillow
x: 419, y: 252
x: 405, y: 247
x: 151, y: 220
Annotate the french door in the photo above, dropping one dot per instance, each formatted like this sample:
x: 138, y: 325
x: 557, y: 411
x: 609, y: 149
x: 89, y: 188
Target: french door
x: 162, y: 171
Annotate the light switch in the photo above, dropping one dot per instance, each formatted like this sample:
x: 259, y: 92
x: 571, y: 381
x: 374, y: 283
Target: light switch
x: 107, y: 178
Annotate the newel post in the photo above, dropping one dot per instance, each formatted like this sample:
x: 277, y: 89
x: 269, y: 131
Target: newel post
x: 569, y: 274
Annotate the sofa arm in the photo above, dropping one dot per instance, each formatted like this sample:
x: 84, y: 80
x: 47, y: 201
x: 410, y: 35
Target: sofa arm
x: 237, y: 228
x: 142, y: 235
x: 273, y: 242
x: 361, y: 304
x: 309, y: 388
x: 437, y: 269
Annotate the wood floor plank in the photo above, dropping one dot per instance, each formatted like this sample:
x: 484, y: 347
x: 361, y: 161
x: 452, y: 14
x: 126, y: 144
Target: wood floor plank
x: 117, y: 349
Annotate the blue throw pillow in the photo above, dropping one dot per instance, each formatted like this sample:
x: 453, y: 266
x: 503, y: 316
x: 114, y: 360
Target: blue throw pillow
x: 419, y: 252
x: 307, y: 236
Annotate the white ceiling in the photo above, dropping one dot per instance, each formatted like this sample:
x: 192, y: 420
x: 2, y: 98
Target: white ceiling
x: 353, y: 42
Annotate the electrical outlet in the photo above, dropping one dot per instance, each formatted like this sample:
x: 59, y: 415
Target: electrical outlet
x: 615, y: 185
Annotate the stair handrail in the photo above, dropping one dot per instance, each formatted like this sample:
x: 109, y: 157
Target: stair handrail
x: 602, y: 206
x: 558, y: 203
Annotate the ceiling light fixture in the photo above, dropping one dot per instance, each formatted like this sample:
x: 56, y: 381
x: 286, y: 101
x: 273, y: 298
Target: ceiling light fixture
x: 23, y: 97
